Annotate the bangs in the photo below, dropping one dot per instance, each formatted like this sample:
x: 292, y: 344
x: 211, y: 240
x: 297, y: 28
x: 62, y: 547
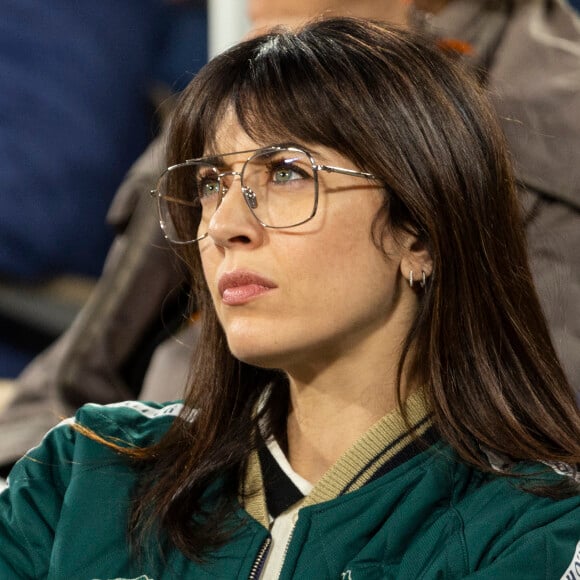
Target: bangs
x: 277, y: 87
x: 281, y: 100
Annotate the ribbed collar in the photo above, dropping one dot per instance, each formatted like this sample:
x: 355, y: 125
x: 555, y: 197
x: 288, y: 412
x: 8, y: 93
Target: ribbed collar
x: 386, y: 445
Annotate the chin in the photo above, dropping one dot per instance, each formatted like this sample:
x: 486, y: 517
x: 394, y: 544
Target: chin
x: 256, y: 353
x: 258, y: 359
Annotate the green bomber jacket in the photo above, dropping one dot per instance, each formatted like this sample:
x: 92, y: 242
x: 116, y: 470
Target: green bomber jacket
x: 390, y: 508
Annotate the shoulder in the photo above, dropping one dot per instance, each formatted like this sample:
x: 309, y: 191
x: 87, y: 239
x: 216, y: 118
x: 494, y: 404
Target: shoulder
x: 79, y: 440
x: 513, y: 532
x: 129, y: 422
x: 68, y: 477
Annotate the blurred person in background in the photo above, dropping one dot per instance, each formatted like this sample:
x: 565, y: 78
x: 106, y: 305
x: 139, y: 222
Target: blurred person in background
x: 80, y: 83
x: 265, y: 14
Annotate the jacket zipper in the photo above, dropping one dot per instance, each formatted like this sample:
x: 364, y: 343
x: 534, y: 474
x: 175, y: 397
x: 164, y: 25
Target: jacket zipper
x: 256, y: 570
x: 294, y: 522
x: 259, y: 562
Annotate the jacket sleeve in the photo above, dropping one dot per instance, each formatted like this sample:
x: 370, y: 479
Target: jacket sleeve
x: 30, y: 506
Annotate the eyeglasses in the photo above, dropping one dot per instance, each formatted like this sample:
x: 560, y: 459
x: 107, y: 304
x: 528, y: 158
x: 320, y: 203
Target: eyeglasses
x: 278, y: 184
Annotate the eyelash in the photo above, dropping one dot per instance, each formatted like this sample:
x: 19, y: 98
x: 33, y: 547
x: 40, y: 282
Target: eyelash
x: 274, y: 166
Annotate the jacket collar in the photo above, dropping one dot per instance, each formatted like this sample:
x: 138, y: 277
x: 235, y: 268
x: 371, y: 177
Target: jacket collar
x: 386, y: 445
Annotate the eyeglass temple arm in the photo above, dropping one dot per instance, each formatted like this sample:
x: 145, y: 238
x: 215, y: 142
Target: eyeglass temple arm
x: 353, y: 172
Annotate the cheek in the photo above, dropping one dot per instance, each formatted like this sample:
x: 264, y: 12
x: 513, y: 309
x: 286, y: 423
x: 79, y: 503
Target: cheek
x: 207, y: 264
x: 343, y: 270
x: 345, y: 250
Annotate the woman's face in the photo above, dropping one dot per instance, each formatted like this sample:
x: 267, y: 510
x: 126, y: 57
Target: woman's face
x: 303, y: 296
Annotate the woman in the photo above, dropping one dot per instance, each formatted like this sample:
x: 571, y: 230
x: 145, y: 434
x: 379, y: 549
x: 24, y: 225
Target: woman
x: 375, y: 394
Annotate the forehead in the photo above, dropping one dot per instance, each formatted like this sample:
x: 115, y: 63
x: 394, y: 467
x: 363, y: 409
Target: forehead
x: 229, y: 137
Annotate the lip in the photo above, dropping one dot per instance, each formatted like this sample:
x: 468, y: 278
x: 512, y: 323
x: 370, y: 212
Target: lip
x: 241, y: 286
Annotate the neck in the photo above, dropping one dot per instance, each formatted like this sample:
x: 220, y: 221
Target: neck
x: 332, y: 408
x: 342, y: 386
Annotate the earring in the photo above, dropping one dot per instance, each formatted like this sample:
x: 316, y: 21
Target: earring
x: 423, y: 282
x: 411, y: 278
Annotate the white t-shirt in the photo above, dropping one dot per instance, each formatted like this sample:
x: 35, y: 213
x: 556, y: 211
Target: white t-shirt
x: 281, y: 527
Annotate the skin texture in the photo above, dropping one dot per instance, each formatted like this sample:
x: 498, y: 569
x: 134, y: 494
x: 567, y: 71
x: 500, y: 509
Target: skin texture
x: 338, y: 313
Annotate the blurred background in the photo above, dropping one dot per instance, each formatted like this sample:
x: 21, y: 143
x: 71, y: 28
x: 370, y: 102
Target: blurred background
x: 82, y: 87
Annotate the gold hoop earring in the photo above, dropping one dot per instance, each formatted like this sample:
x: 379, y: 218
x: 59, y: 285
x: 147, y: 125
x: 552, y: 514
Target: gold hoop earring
x: 411, y: 278
x: 423, y: 282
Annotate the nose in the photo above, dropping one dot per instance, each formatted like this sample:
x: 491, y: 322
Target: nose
x: 232, y: 222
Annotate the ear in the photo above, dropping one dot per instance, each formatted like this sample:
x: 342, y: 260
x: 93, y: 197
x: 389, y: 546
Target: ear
x: 416, y: 259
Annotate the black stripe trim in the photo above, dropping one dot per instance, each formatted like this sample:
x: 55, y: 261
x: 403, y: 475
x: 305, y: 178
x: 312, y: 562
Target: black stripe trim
x: 417, y: 446
x: 405, y: 454
x: 280, y: 491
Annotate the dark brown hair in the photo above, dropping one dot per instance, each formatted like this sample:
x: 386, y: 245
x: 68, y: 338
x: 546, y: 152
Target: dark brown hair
x: 397, y: 106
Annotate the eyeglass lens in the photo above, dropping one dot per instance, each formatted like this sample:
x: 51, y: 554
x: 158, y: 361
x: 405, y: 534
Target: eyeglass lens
x: 278, y: 186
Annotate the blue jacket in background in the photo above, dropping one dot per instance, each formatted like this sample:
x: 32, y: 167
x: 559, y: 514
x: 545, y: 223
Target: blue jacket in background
x: 75, y: 112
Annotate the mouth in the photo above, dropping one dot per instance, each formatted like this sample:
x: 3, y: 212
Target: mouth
x: 239, y: 287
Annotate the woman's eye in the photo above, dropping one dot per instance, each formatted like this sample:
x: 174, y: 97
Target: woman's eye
x: 285, y: 174
x: 208, y: 188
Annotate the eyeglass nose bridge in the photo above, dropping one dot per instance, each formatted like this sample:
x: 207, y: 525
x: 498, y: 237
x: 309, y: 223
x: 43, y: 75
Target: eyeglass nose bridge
x: 249, y: 195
